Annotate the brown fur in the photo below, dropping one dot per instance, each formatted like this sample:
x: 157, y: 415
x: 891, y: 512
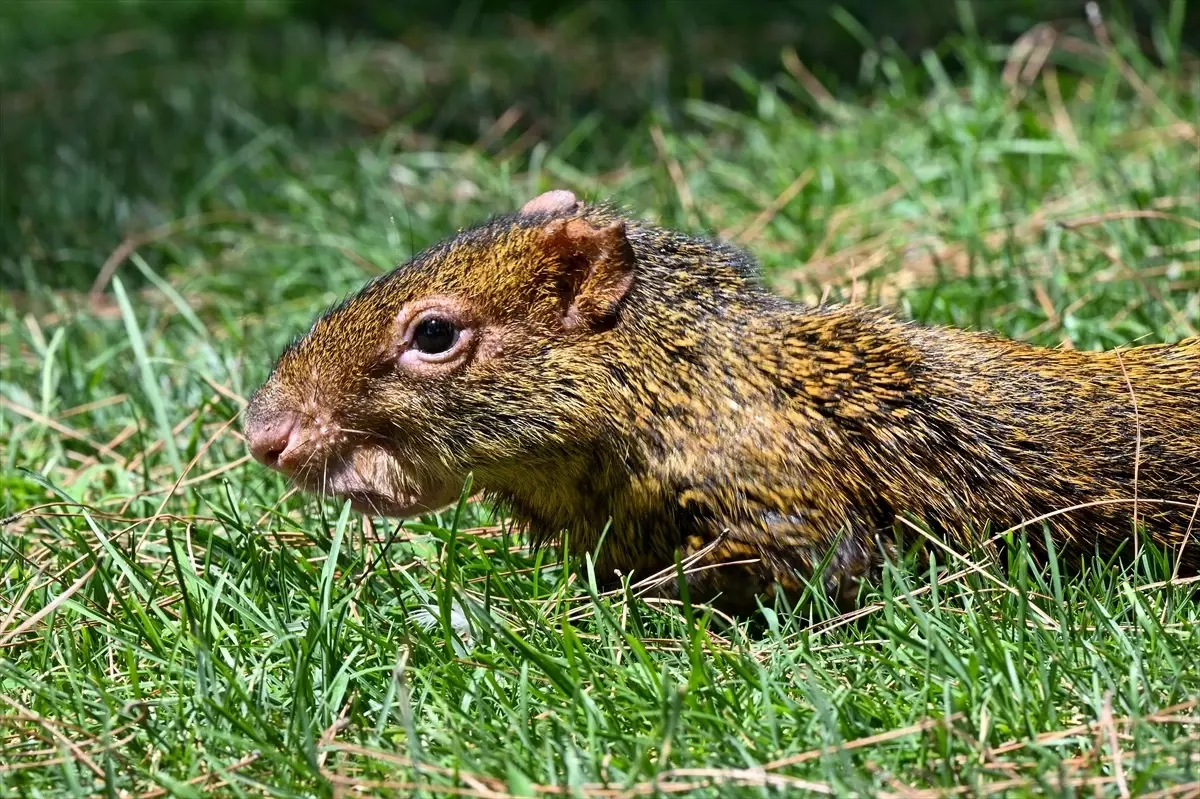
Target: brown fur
x: 696, y: 406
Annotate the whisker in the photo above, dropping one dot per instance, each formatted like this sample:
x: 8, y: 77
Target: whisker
x: 354, y: 431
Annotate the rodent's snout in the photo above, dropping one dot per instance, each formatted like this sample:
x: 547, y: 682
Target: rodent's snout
x: 273, y: 439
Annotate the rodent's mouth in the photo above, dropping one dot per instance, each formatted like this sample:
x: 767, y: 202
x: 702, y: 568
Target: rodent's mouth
x: 377, y: 482
x: 370, y: 498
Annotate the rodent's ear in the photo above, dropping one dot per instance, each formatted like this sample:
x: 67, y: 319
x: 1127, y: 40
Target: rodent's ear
x: 557, y: 202
x: 596, y: 269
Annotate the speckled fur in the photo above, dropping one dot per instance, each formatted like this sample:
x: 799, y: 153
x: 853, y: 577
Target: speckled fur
x: 713, y: 406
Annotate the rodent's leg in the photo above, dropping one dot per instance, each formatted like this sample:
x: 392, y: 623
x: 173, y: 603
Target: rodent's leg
x: 747, y: 564
x: 776, y: 523
x: 729, y: 574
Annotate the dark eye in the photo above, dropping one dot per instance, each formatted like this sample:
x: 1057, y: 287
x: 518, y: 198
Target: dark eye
x: 435, y: 335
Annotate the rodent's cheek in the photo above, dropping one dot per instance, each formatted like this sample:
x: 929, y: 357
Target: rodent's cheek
x: 490, y: 343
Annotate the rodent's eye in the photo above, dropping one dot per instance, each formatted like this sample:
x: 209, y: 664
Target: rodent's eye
x: 435, y: 335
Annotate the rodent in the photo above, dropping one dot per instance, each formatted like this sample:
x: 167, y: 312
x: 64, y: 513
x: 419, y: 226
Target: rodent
x: 589, y: 368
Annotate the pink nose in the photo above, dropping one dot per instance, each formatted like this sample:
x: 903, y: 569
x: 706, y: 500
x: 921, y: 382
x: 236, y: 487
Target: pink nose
x: 272, y: 440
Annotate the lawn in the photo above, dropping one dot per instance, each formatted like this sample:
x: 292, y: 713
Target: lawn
x: 177, y: 205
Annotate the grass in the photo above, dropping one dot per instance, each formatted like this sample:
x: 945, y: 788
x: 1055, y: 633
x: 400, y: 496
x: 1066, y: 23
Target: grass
x: 174, y: 622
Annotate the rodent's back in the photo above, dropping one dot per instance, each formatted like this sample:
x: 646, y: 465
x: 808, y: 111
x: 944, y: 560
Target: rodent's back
x: 857, y: 417
x: 1016, y: 433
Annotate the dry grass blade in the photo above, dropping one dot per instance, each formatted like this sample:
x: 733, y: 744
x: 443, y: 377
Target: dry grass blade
x: 870, y: 740
x: 1137, y: 448
x: 62, y: 430
x: 1114, y: 746
x: 1045, y: 618
x: 686, y: 200
x: 49, y: 607
x: 50, y: 727
x: 760, y: 222
x: 1187, y: 535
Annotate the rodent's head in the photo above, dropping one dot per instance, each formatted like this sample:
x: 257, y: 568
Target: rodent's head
x: 457, y: 361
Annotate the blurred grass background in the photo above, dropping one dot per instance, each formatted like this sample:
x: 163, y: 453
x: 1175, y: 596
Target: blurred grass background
x: 122, y: 114
x: 184, y: 184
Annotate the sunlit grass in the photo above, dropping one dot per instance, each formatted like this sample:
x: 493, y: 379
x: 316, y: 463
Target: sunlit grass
x: 173, y: 620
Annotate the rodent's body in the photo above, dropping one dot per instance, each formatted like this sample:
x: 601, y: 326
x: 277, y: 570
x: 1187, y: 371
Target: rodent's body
x: 703, y: 408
